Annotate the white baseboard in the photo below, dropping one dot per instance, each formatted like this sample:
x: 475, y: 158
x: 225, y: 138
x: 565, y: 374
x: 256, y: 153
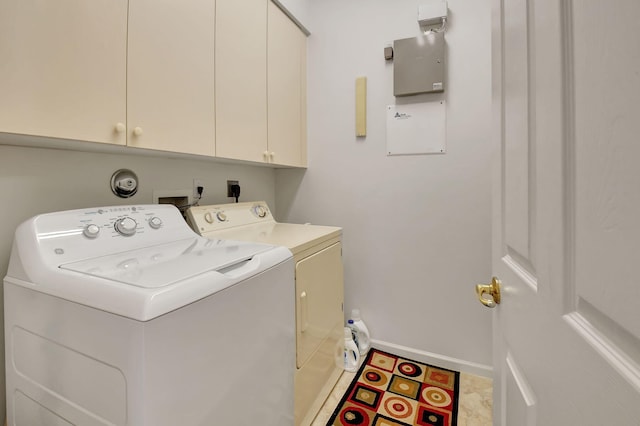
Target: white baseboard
x: 435, y: 359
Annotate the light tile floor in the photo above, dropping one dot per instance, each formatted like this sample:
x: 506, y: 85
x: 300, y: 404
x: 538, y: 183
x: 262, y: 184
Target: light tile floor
x: 474, y: 403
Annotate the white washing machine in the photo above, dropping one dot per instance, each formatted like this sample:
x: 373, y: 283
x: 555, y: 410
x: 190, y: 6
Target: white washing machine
x: 124, y: 316
x: 317, y: 251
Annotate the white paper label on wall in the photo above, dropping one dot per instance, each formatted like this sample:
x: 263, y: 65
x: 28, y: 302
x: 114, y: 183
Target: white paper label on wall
x: 416, y: 128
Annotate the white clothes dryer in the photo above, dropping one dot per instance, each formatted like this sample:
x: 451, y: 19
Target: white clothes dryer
x: 123, y: 316
x: 317, y: 252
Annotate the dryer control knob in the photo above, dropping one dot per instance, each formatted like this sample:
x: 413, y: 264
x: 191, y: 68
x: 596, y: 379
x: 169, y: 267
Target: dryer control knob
x: 126, y: 226
x: 155, y: 222
x: 260, y: 211
x: 208, y: 217
x: 221, y: 217
x: 91, y: 230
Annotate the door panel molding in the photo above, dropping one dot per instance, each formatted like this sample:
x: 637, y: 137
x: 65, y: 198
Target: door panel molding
x: 522, y: 272
x: 518, y: 164
x: 620, y: 340
x: 569, y: 185
x: 617, y: 357
x: 521, y: 399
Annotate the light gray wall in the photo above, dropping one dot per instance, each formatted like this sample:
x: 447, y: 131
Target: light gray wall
x: 34, y: 180
x: 416, y: 228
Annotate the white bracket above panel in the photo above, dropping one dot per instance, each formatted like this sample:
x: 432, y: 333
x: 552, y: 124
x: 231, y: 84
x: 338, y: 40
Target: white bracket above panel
x: 432, y: 13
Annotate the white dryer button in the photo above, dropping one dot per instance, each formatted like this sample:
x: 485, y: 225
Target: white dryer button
x: 260, y: 211
x: 91, y: 230
x: 221, y: 217
x: 155, y: 222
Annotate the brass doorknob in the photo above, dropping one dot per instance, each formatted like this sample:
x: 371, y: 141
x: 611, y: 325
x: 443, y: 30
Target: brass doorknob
x: 492, y: 290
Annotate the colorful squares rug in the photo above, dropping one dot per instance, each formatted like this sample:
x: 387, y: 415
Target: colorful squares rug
x: 389, y: 390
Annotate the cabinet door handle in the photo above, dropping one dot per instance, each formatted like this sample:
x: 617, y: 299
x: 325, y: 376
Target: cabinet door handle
x: 265, y: 155
x: 304, y: 312
x: 272, y: 156
x: 119, y: 127
x: 137, y: 131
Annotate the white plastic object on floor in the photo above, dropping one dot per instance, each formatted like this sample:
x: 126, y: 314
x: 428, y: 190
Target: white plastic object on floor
x: 362, y: 332
x: 351, y: 354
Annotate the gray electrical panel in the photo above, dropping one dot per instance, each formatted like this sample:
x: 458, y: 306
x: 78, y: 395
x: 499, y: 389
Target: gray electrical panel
x: 418, y: 64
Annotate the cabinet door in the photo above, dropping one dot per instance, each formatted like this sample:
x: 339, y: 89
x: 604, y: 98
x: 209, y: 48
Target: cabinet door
x: 241, y: 79
x: 170, y: 76
x: 63, y: 68
x: 320, y: 294
x: 286, y: 74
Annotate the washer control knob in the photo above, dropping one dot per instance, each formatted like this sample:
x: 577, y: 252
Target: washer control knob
x: 126, y: 226
x: 221, y: 216
x: 208, y: 217
x: 91, y: 231
x: 155, y: 222
x: 260, y: 211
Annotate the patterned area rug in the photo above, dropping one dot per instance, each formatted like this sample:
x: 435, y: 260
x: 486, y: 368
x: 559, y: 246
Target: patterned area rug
x: 389, y: 390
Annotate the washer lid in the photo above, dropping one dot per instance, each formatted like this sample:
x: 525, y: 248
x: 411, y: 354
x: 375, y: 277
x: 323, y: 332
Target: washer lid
x: 166, y: 264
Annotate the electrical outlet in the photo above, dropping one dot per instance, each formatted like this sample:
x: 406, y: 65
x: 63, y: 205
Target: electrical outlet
x: 229, y: 183
x: 196, y: 183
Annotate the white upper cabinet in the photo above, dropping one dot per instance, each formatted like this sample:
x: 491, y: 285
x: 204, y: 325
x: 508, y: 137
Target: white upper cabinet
x: 215, y: 78
x: 286, y: 90
x: 170, y: 76
x: 260, y: 84
x: 139, y: 73
x: 63, y: 68
x: 241, y: 79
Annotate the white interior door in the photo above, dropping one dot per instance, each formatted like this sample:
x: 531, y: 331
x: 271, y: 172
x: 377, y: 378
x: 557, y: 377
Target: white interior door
x: 566, y: 104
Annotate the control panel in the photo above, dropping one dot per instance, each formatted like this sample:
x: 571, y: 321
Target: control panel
x: 123, y: 221
x: 77, y: 234
x: 226, y: 216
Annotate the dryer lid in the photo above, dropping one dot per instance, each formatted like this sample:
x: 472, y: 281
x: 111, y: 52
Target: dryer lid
x: 166, y: 264
x: 296, y: 237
